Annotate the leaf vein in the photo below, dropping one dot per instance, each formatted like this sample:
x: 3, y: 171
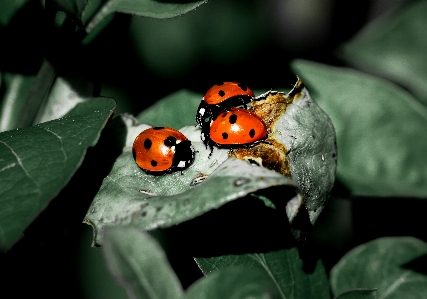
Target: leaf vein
x: 21, y: 164
x: 263, y: 263
x: 62, y: 144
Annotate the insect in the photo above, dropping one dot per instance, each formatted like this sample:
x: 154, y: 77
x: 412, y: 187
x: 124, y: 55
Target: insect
x: 221, y: 97
x: 160, y: 150
x: 237, y: 127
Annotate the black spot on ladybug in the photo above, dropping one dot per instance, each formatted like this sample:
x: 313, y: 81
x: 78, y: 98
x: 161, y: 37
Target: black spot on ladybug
x: 158, y: 128
x: 147, y: 143
x: 252, y: 133
x: 221, y: 93
x: 233, y: 118
x: 170, y: 141
x: 243, y: 86
x: 224, y: 135
x: 153, y: 163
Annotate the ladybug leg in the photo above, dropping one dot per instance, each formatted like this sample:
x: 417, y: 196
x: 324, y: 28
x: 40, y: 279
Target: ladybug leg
x: 210, y: 154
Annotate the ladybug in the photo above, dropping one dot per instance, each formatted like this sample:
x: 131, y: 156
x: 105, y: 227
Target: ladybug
x: 160, y: 150
x: 221, y: 97
x: 237, y: 127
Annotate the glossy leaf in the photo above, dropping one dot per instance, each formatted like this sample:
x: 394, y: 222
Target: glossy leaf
x: 235, y: 282
x: 139, y: 264
x: 395, y: 266
x: 358, y: 294
x: 394, y: 47
x: 284, y: 267
x: 144, y: 8
x: 37, y: 162
x: 175, y: 110
x: 380, y: 130
x: 128, y: 195
x: 8, y: 9
x: 16, y: 88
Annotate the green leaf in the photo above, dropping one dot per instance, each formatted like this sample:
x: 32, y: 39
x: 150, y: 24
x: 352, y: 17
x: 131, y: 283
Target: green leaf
x: 175, y: 110
x: 94, y: 279
x: 64, y: 95
x: 71, y: 7
x: 128, y: 195
x: 37, y: 162
x: 139, y: 264
x: 37, y: 95
x: 235, y: 282
x: 358, y: 294
x: 145, y: 8
x: 379, y: 127
x: 392, y: 265
x: 394, y: 46
x: 284, y: 267
x: 8, y: 9
x: 16, y: 88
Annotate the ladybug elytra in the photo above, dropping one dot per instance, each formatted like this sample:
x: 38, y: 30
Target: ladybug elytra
x: 162, y: 149
x: 237, y: 127
x: 222, y: 97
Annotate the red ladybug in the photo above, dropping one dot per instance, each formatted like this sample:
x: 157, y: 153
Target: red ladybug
x: 162, y: 149
x: 237, y: 127
x: 221, y: 97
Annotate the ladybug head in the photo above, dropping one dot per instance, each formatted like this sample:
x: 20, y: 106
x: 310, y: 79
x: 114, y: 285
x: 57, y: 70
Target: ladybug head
x: 184, y: 155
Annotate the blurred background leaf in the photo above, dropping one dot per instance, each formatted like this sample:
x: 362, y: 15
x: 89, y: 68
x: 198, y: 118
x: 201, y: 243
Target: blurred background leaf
x: 358, y: 294
x: 8, y: 9
x: 394, y: 47
x: 395, y: 266
x: 220, y: 32
x: 15, y: 88
x: 64, y: 95
x: 284, y: 267
x: 146, y: 8
x: 175, y: 110
x: 139, y: 264
x: 73, y: 8
x: 379, y: 127
x: 234, y: 282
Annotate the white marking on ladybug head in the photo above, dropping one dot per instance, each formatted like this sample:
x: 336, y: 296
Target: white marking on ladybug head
x: 202, y: 111
x: 173, y: 148
x: 181, y: 164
